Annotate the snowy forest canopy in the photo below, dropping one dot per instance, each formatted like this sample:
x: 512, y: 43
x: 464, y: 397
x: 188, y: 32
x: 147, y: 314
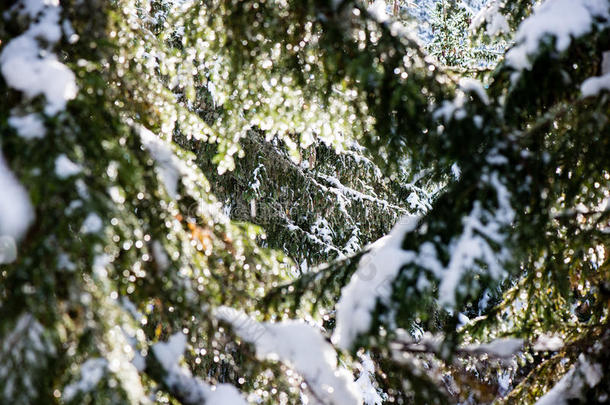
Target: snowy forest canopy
x: 304, y: 202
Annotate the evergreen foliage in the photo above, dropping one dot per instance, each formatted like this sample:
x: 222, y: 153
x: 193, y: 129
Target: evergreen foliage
x: 192, y: 188
x: 452, y: 43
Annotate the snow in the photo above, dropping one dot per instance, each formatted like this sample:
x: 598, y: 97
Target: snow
x: 92, y: 372
x: 225, y: 394
x: 322, y: 230
x: 82, y: 189
x: 503, y: 348
x: 8, y: 249
x: 473, y: 244
x: 100, y: 262
x: 65, y: 168
x: 504, y: 382
x: 255, y: 185
x: 342, y: 192
x: 119, y: 354
x: 22, y: 347
x: 496, y: 22
x: 594, y: 85
x: 455, y: 107
x: 64, y: 262
x: 456, y: 171
x: 180, y: 379
x: 572, y: 383
x: 92, y: 224
x: 563, y: 19
x: 469, y: 247
x: 470, y: 85
x: 16, y: 211
x: 301, y: 347
x: 449, y: 108
x: 131, y: 308
x: 69, y: 32
x: 369, y: 393
x: 605, y: 62
x: 293, y: 227
x: 34, y: 70
x: 353, y: 244
x: 138, y: 361
x: 462, y: 320
x: 422, y: 342
x: 474, y: 250
x: 548, y: 343
x: 29, y: 126
x: 29, y: 333
x: 559, y: 394
x: 593, y: 373
x: 378, y: 11
x: 168, y: 164
x: 160, y: 256
x: 371, y: 281
x: 31, y: 8
x: 168, y: 353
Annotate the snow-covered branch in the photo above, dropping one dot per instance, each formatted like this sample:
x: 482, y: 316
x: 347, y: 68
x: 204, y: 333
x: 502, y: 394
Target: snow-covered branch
x: 162, y: 365
x: 301, y: 347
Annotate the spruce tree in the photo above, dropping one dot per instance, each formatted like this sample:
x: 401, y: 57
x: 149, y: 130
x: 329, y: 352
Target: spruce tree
x: 190, y: 189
